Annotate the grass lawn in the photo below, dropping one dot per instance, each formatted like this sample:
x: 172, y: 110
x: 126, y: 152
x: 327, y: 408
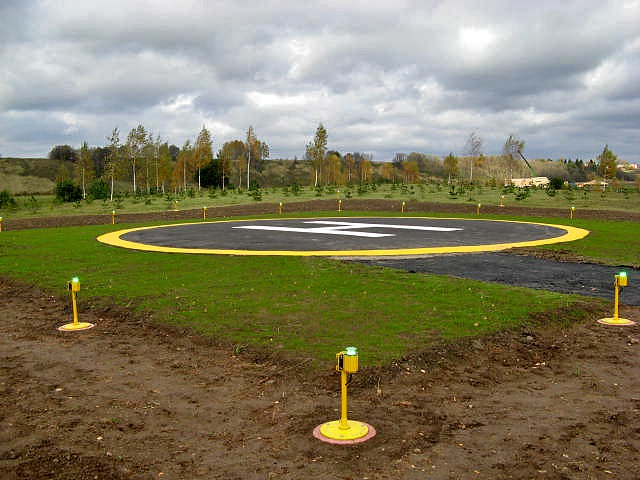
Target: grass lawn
x: 304, y: 306
x: 44, y: 205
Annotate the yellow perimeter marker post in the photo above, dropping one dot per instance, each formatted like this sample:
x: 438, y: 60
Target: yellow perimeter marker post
x: 620, y: 280
x: 74, y: 287
x: 345, y: 431
x: 572, y: 233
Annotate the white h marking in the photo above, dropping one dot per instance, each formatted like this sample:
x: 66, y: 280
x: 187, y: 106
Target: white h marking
x: 344, y: 228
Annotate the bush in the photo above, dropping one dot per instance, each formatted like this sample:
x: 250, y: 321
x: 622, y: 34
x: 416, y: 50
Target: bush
x: 522, y: 192
x: 67, y: 191
x: 556, y: 183
x: 6, y: 199
x: 256, y: 194
x: 99, y: 190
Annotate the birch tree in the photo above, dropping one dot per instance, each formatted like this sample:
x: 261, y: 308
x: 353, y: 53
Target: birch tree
x: 450, y: 165
x: 255, y: 151
x: 184, y: 164
x: 316, y: 151
x: 136, y: 141
x: 232, y: 153
x: 113, y: 162
x: 84, y: 168
x: 203, y: 151
x: 472, y: 149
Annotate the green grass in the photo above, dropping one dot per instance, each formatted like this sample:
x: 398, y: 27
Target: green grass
x: 309, y: 307
x: 44, y: 205
x: 611, y: 243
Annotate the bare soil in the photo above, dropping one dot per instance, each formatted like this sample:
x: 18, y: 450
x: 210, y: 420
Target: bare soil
x: 130, y: 399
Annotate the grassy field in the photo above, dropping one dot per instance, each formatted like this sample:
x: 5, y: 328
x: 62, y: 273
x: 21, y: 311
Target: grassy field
x: 309, y: 307
x: 43, y: 205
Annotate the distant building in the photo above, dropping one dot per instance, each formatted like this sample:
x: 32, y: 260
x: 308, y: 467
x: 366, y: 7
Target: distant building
x: 528, y: 182
x: 593, y: 183
x: 629, y: 166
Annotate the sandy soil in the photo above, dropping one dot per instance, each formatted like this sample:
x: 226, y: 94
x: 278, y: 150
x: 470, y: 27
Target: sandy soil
x: 130, y: 399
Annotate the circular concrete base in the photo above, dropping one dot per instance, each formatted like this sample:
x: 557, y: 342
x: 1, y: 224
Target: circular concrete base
x: 74, y: 327
x: 621, y: 322
x: 370, y: 433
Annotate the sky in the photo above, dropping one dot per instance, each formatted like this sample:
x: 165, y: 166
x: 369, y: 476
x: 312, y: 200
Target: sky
x: 381, y: 76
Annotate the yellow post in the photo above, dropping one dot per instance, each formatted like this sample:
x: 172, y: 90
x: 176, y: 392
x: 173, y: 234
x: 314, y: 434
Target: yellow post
x: 280, y: 208
x: 74, y: 287
x: 0, y: 224
x: 74, y: 302
x: 204, y: 213
x: 344, y: 423
x: 573, y: 209
x: 339, y: 205
x: 502, y: 200
x: 175, y: 205
x: 403, y: 204
x: 113, y: 217
x: 478, y: 209
x: 345, y: 431
x: 620, y: 280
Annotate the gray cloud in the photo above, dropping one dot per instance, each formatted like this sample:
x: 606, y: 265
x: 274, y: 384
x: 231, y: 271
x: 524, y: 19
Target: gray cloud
x: 382, y: 76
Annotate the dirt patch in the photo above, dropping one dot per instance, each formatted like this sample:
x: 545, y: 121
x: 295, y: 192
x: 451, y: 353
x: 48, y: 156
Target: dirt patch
x: 132, y: 400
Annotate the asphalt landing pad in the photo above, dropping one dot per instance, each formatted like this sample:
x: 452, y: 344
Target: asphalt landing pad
x: 342, y: 236
x: 523, y: 271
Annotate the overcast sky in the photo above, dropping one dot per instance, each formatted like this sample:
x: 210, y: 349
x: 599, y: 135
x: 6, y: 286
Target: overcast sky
x: 382, y: 76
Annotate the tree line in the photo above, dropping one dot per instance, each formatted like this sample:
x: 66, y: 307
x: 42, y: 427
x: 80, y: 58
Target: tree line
x: 152, y: 165
x: 149, y: 164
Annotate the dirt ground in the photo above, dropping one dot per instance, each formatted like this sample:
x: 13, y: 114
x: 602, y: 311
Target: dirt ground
x: 133, y: 400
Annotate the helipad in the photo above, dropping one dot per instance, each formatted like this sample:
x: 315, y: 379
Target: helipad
x: 343, y: 236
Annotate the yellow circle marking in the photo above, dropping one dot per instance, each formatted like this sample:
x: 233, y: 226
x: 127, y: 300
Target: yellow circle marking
x: 572, y: 233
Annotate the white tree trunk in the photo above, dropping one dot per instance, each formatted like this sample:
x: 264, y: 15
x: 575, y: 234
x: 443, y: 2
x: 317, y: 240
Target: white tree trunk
x: 248, y: 167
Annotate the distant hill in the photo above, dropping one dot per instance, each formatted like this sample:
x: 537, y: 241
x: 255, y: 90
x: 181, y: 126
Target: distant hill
x: 30, y: 175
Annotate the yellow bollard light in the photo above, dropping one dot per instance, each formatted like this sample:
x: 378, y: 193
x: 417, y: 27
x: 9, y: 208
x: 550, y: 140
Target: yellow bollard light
x: 573, y: 209
x: 502, y: 200
x: 478, y: 209
x: 175, y: 205
x: 74, y: 287
x: 620, y: 281
x: 0, y: 224
x: 280, y: 208
x: 113, y: 217
x: 345, y: 431
x: 403, y: 205
x: 339, y: 205
x: 204, y: 213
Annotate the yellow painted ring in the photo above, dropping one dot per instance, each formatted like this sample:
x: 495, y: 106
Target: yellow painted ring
x: 572, y: 233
